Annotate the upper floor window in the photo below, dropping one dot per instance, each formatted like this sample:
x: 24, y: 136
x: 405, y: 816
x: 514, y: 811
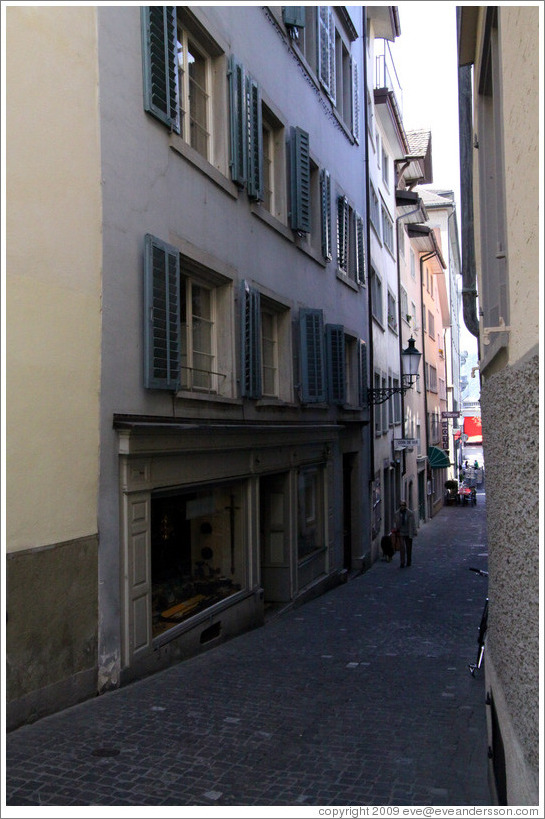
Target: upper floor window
x: 385, y: 168
x: 193, y: 92
x: 374, y: 210
x: 401, y: 239
x: 404, y: 304
x: 273, y: 164
x: 337, y: 71
x: 181, y: 79
x: 431, y: 325
x: 413, y: 265
x: 432, y: 379
x: 392, y: 312
x: 350, y: 241
x: 265, y: 343
x: 187, y: 323
x: 198, y: 338
x: 387, y: 230
x: 376, y: 296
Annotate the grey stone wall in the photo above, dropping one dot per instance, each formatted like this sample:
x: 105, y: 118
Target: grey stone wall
x: 510, y: 413
x: 52, y: 625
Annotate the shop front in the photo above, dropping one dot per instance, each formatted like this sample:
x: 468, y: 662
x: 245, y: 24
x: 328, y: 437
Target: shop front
x: 218, y: 523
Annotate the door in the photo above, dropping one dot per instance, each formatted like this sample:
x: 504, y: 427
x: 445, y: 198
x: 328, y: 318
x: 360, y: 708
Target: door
x: 348, y: 464
x: 137, y: 573
x: 274, y: 541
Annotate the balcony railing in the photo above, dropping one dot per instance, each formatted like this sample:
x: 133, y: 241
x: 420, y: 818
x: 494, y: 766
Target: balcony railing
x: 386, y: 75
x: 206, y: 381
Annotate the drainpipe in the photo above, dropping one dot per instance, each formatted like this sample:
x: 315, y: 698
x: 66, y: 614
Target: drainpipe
x: 469, y: 276
x: 371, y: 476
x: 422, y: 320
x: 399, y: 324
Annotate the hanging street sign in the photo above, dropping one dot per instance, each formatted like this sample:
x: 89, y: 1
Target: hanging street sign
x: 451, y: 414
x: 403, y: 443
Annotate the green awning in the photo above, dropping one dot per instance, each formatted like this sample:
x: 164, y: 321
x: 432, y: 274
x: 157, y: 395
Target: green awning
x: 437, y: 458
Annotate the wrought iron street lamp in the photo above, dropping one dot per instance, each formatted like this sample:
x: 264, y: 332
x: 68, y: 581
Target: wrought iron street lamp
x: 410, y: 362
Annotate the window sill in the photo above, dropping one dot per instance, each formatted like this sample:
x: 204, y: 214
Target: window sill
x: 270, y: 220
x: 201, y: 164
x: 274, y: 403
x: 304, y: 247
x: 342, y: 277
x: 188, y: 395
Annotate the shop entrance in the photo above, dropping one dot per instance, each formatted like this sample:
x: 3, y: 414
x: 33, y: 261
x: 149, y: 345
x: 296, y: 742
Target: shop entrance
x: 274, y: 539
x: 348, y: 465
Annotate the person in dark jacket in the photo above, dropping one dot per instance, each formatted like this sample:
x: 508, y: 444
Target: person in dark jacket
x: 406, y: 526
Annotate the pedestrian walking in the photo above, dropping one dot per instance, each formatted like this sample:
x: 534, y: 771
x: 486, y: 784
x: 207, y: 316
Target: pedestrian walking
x: 406, y: 526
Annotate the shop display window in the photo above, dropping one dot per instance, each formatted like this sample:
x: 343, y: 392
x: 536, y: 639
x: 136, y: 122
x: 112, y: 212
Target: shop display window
x: 310, y: 502
x: 197, y: 552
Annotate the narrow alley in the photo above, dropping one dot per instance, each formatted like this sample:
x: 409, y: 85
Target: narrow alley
x: 360, y: 697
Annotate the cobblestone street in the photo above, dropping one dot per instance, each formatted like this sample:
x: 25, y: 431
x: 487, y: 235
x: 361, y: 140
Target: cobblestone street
x: 359, y: 697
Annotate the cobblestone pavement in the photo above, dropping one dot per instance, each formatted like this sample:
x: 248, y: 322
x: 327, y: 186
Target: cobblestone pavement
x: 360, y: 697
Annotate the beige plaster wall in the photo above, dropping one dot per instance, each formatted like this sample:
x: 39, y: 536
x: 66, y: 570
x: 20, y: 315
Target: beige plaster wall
x: 519, y: 47
x: 53, y: 274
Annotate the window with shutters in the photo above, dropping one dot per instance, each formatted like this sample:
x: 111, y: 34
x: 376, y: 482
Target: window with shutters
x: 325, y: 213
x: 431, y: 325
x: 377, y: 308
x: 392, y: 312
x: 387, y: 229
x: 193, y: 92
x: 374, y: 210
x: 337, y: 69
x: 432, y: 379
x: 404, y: 305
x: 378, y: 407
x: 351, y: 257
x: 401, y: 235
x: 413, y: 265
x: 187, y: 324
x: 205, y: 357
x: 198, y: 340
x: 265, y: 346
x: 269, y: 353
x: 385, y: 168
x: 383, y: 408
x: 308, y: 37
x: 184, y: 83
x: 274, y: 165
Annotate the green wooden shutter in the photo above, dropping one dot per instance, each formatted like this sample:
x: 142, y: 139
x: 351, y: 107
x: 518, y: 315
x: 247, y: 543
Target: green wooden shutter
x: 361, y: 271
x: 250, y: 323
x: 159, y: 56
x: 300, y: 180
x: 325, y: 192
x: 255, y: 140
x: 362, y: 370
x: 326, y: 50
x: 161, y: 315
x: 238, y: 122
x: 311, y: 329
x: 294, y: 16
x: 356, y: 108
x: 336, y: 376
x: 342, y: 233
